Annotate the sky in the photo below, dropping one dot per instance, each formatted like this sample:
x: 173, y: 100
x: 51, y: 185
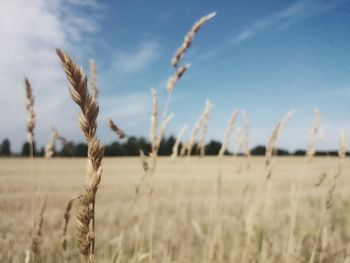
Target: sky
x: 266, y: 57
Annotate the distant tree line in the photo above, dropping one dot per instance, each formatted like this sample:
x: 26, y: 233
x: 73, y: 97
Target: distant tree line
x: 132, y: 145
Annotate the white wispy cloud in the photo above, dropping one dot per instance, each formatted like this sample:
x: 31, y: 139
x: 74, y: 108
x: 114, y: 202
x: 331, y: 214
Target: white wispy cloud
x: 125, y: 62
x: 30, y: 31
x: 278, y: 21
x: 285, y: 18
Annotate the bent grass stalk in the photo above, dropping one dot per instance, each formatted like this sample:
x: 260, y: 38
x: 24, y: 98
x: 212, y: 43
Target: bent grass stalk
x: 87, y: 120
x: 114, y: 127
x: 180, y: 52
x: 200, y: 124
x: 315, y: 128
x: 49, y: 148
x: 271, y: 144
x: 176, y: 145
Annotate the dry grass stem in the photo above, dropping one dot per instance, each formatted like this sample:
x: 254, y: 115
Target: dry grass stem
x: 50, y: 147
x: 176, y: 145
x: 315, y: 128
x: 189, y: 38
x: 271, y: 144
x: 173, y: 79
x: 154, y: 121
x: 163, y: 127
x: 94, y: 87
x: 27, y: 257
x: 37, y: 232
x: 87, y: 120
x: 66, y: 217
x: 321, y: 179
x: 144, y: 161
x: 200, y: 124
x: 30, y: 114
x: 341, y: 153
x: 119, y: 132
x: 228, y: 133
x: 246, y: 132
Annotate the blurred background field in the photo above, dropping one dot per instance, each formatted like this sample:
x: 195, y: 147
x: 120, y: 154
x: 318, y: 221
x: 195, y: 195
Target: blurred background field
x: 185, y: 210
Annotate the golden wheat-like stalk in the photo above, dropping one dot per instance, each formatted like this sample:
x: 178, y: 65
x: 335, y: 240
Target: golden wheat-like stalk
x: 289, y: 257
x: 154, y: 121
x: 93, y: 71
x: 87, y: 120
x: 173, y: 79
x: 321, y: 178
x: 119, y: 132
x: 200, y: 124
x: 189, y: 38
x: 30, y: 114
x: 239, y: 139
x: 228, y: 134
x: 37, y: 232
x: 271, y: 144
x: 204, y: 126
x: 49, y: 148
x: 27, y: 256
x: 163, y: 126
x: 176, y: 145
x: 144, y: 162
x: 315, y: 128
x: 328, y: 203
x: 66, y: 217
x: 341, y: 153
x: 246, y: 132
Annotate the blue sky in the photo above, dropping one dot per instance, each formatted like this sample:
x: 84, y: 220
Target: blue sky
x: 266, y: 57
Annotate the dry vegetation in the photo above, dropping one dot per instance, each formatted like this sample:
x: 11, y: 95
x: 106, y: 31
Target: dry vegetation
x: 189, y: 223
x: 175, y: 209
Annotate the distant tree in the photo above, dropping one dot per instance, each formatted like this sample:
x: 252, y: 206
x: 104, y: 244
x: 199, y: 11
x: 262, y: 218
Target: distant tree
x: 131, y: 147
x: 258, y: 150
x: 166, y: 146
x: 195, y: 150
x: 68, y: 150
x: 6, y: 147
x: 282, y: 152
x: 144, y: 145
x: 114, y: 149
x: 169, y: 145
x: 42, y: 152
x: 299, y: 153
x: 213, y: 148
x: 26, y: 149
x: 81, y: 150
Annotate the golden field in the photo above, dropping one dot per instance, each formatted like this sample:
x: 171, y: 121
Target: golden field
x: 187, y: 217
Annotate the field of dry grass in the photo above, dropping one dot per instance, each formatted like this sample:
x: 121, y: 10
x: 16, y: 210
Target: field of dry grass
x: 186, y: 218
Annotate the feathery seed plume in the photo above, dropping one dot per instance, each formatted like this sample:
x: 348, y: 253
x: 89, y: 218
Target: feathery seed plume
x: 189, y: 38
x: 49, y: 148
x: 173, y: 79
x: 271, y: 144
x: 228, y: 133
x: 30, y: 111
x: 93, y: 70
x: 87, y: 120
x: 120, y: 134
x: 175, y: 148
x: 199, y: 124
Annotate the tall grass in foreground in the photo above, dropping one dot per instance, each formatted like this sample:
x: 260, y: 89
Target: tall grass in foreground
x: 87, y: 120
